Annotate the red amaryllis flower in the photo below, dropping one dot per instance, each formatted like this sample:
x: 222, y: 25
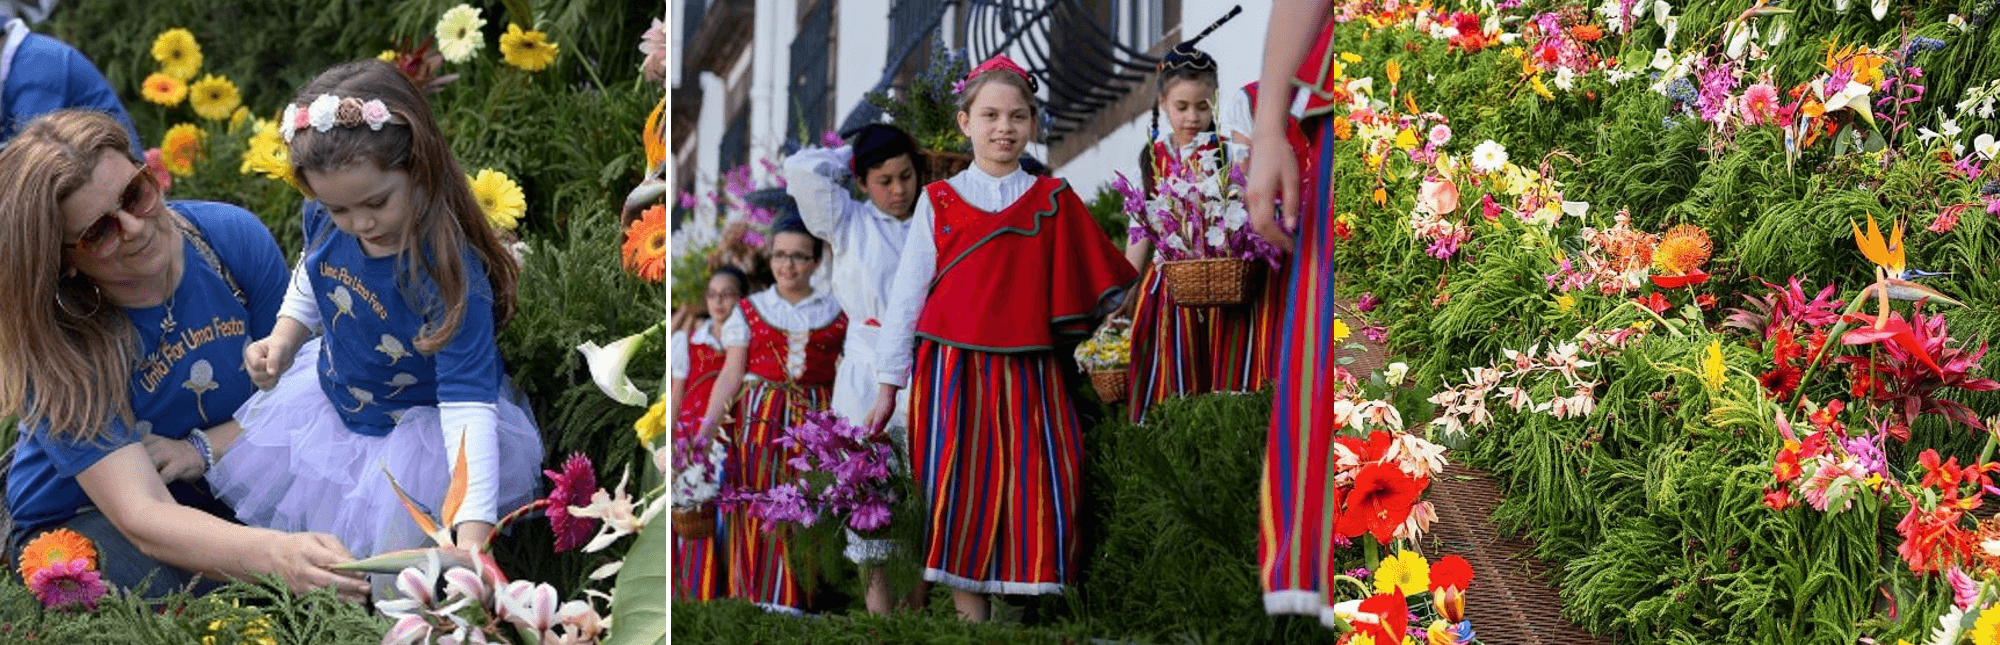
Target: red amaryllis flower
x: 1694, y: 277
x: 1654, y: 301
x: 1779, y: 499
x: 1393, y: 615
x: 1371, y: 450
x: 1379, y: 502
x: 573, y: 487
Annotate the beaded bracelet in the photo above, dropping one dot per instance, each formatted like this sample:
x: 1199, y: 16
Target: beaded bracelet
x: 200, y: 441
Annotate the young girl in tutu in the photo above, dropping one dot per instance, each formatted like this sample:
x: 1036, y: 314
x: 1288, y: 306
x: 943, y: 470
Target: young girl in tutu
x: 410, y: 285
x: 782, y: 345
x: 696, y: 362
x: 999, y: 266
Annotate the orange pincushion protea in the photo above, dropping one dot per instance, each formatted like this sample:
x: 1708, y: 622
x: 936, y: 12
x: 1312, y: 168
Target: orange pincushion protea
x: 1682, y: 250
x: 60, y: 545
x: 646, y: 245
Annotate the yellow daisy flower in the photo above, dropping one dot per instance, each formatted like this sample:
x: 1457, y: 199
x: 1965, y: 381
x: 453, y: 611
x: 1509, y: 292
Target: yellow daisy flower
x: 238, y: 117
x: 1406, y: 571
x: 268, y: 155
x: 178, y: 53
x: 387, y: 56
x: 527, y: 50
x: 181, y: 148
x: 163, y: 89
x: 1986, y: 631
x: 499, y: 197
x: 654, y: 423
x: 1340, y: 330
x: 214, y: 97
x: 1565, y: 302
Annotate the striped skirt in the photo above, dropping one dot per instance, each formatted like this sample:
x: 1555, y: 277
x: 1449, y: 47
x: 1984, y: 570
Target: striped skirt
x: 998, y: 455
x: 1245, y: 338
x: 1294, y: 531
x: 697, y: 566
x: 755, y: 565
x: 1168, y: 353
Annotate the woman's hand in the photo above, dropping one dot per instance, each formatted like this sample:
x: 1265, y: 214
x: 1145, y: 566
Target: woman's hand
x: 301, y: 561
x: 1274, y: 175
x: 885, y: 407
x: 175, y: 459
x: 709, y: 428
x: 267, y: 359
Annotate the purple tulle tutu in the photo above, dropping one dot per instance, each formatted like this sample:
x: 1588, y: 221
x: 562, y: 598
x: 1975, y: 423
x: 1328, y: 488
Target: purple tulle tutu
x: 298, y: 468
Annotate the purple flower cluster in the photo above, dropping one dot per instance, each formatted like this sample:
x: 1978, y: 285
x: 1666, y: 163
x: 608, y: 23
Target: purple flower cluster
x: 1718, y: 83
x: 1196, y: 213
x: 844, y: 470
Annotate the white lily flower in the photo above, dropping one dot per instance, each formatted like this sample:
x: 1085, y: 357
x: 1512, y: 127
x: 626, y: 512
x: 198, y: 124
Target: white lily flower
x: 1950, y: 128
x: 1395, y: 373
x: 1778, y: 31
x: 1958, y: 21
x: 1673, y: 26
x: 1840, y: 6
x: 1660, y: 11
x: 1986, y: 146
x: 607, y: 366
x: 1739, y: 35
x: 1879, y: 8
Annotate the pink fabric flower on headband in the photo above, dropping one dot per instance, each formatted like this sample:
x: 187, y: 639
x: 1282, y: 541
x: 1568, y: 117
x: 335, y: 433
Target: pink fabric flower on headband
x: 1002, y: 63
x: 375, y: 114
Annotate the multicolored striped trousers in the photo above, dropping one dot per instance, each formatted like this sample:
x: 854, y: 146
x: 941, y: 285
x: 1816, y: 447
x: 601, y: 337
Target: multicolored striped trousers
x: 756, y: 567
x: 998, y: 455
x: 1295, y: 526
x: 697, y: 566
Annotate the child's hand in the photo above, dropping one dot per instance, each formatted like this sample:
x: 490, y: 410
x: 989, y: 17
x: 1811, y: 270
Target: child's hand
x: 266, y: 360
x: 176, y: 459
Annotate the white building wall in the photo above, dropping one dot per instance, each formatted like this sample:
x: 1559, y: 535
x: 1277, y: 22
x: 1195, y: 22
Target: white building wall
x: 1238, y: 48
x: 863, y: 35
x: 770, y: 79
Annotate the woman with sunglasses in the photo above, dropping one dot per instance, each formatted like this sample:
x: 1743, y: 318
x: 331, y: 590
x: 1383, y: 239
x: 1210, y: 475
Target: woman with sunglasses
x: 122, y: 323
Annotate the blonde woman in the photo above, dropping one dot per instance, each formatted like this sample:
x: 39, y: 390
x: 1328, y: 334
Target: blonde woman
x: 122, y: 324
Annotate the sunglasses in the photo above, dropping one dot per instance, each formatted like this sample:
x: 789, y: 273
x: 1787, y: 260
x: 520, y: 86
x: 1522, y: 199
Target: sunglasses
x: 101, y: 237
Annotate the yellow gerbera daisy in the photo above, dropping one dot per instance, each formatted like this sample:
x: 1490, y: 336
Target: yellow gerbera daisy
x: 527, y: 50
x: 1986, y: 631
x: 458, y: 33
x: 163, y: 89
x: 178, y: 53
x: 1340, y: 331
x: 499, y: 197
x: 268, y: 155
x: 181, y: 148
x: 654, y: 424
x: 1406, y: 571
x: 214, y: 97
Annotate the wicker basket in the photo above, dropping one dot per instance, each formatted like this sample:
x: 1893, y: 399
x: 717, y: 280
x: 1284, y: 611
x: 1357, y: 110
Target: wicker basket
x: 694, y: 525
x: 1214, y: 282
x: 939, y: 165
x: 1112, y: 385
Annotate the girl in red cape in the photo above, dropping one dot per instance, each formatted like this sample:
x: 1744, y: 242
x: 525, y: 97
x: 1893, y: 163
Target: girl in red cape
x: 999, y: 268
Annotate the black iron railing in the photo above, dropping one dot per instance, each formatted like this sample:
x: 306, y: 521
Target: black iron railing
x: 912, y: 25
x: 1096, y: 69
x: 809, y: 72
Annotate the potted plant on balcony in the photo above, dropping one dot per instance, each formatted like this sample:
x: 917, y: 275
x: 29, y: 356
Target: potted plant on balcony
x: 927, y: 107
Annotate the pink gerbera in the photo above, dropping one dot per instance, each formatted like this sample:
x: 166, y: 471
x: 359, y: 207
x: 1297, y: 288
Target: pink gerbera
x: 573, y: 487
x: 1760, y: 103
x: 67, y: 583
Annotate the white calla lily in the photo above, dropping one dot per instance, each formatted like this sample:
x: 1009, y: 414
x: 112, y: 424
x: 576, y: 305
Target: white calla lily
x: 607, y: 366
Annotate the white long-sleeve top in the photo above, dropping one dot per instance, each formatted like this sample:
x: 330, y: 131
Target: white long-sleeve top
x: 867, y: 243
x: 919, y: 265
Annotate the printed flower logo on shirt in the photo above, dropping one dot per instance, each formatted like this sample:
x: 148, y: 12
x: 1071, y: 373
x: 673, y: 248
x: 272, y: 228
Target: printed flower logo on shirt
x: 343, y: 303
x: 392, y: 347
x: 362, y: 398
x: 400, y: 381
x: 201, y: 379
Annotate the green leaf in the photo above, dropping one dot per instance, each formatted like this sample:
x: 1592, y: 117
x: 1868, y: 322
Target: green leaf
x: 639, y: 606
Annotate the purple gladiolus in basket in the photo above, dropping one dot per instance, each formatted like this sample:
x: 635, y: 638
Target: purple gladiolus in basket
x: 1196, y: 212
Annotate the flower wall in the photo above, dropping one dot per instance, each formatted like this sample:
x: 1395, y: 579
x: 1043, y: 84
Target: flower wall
x: 1657, y: 271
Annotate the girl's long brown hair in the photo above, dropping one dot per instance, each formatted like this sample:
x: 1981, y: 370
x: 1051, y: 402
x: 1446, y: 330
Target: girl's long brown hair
x: 446, y: 216
x: 61, y: 341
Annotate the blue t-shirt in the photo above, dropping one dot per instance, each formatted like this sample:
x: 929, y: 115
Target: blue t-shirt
x: 368, y: 363
x: 48, y: 75
x: 190, y: 373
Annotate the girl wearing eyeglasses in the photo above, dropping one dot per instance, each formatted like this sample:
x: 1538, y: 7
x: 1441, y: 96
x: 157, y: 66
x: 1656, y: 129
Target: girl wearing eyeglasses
x: 782, y: 346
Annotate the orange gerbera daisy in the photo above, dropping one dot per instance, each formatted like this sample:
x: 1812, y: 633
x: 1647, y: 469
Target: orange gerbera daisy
x: 1683, y: 249
x: 60, y: 545
x: 646, y: 245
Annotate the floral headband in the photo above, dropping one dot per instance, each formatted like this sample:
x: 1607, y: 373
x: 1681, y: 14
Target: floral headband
x: 328, y: 111
x: 999, y: 62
